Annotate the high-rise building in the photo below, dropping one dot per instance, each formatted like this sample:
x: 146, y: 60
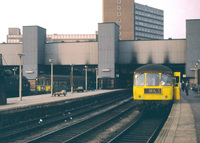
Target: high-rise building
x: 121, y: 12
x: 136, y: 21
x: 148, y: 23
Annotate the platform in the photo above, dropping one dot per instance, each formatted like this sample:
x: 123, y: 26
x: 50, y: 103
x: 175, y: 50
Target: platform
x: 14, y: 103
x: 182, y: 123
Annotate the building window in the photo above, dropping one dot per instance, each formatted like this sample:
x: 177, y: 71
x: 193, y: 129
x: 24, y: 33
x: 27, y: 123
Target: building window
x: 118, y: 1
x: 119, y: 14
x: 118, y: 20
x: 118, y: 7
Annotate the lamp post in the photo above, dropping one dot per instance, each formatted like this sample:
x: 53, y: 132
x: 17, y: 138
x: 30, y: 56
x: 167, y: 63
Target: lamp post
x: 14, y: 70
x: 72, y: 84
x: 51, y: 61
x: 20, y: 75
x: 86, y: 78
x: 96, y: 78
x: 197, y: 75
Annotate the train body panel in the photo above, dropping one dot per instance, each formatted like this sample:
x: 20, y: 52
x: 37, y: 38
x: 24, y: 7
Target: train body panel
x: 159, y: 92
x: 12, y: 86
x: 62, y: 82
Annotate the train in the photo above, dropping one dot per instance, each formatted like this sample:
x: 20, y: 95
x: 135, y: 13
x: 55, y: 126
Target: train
x: 10, y: 84
x: 155, y: 86
x: 63, y: 82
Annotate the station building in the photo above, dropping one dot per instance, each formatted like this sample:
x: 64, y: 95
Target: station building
x: 115, y: 59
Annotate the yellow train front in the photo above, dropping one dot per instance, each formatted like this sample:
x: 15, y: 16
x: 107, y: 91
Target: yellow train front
x: 155, y: 85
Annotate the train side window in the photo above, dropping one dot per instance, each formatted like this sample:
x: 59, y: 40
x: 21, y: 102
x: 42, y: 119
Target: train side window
x: 152, y: 79
x: 48, y: 82
x: 166, y: 80
x: 139, y: 80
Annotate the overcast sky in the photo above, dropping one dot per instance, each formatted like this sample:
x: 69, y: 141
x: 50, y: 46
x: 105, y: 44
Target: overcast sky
x: 83, y: 16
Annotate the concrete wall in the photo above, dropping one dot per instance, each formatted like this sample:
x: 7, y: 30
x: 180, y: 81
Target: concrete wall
x: 9, y: 53
x: 34, y: 38
x: 107, y: 52
x: 107, y: 49
x: 193, y: 45
x: 85, y: 53
x: 152, y: 52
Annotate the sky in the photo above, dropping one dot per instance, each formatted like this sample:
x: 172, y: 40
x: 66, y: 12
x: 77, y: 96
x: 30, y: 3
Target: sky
x: 83, y: 16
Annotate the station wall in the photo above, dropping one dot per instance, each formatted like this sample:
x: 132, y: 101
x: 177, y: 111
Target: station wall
x: 193, y: 45
x: 9, y: 53
x: 34, y: 38
x: 107, y: 53
x: 81, y: 53
x: 152, y: 52
x: 107, y: 49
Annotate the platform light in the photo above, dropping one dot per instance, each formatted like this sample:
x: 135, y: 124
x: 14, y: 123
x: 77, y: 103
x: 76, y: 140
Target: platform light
x: 51, y: 61
x: 71, y: 75
x: 20, y: 75
x: 96, y: 78
x: 86, y: 78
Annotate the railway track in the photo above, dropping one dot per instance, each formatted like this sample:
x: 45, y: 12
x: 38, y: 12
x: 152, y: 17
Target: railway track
x: 144, y: 130
x: 22, y: 132
x: 101, y: 121
x: 81, y: 131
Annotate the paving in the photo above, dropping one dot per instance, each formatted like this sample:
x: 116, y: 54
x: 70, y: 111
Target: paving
x: 183, y: 123
x: 14, y: 103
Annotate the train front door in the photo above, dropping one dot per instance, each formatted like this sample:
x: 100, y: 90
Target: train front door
x: 177, y: 76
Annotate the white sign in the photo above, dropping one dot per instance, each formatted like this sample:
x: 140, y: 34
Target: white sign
x: 105, y: 70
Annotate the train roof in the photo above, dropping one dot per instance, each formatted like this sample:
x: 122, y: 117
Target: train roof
x: 154, y: 68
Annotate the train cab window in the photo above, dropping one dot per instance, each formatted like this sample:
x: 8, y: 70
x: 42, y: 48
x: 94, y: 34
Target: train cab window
x: 166, y: 80
x: 139, y: 80
x: 152, y: 79
x: 42, y: 82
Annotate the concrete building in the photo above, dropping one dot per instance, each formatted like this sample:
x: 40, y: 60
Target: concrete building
x: 115, y: 59
x: 15, y: 38
x: 14, y: 31
x: 148, y: 23
x: 14, y: 35
x: 71, y: 38
x: 193, y: 49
